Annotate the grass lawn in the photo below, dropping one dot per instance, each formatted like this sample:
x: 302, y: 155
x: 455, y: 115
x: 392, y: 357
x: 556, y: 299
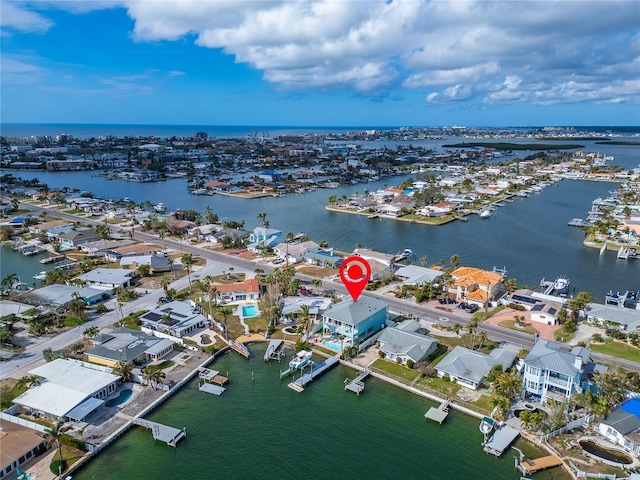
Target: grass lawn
x: 447, y: 388
x: 563, y: 336
x: 396, y: 369
x: 166, y: 364
x: 512, y: 324
x: 617, y: 349
x: 229, y: 278
x: 257, y: 324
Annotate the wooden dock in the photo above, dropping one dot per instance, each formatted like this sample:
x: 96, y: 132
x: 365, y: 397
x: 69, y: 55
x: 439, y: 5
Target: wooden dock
x: 169, y: 435
x: 316, y: 370
x: 440, y: 413
x: 212, y: 381
x: 357, y: 384
x: 532, y: 466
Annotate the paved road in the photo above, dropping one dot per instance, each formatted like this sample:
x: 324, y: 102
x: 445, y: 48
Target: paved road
x: 218, y: 262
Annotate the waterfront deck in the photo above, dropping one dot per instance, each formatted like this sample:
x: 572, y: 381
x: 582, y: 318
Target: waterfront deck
x: 211, y: 388
x: 501, y: 439
x: 439, y: 414
x: 169, y: 435
x: 212, y: 376
x: 532, y: 466
x: 357, y: 384
x: 316, y: 370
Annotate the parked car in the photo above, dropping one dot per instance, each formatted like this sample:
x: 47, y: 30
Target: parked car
x: 446, y: 301
x: 472, y: 308
x: 164, y: 300
x: 278, y: 261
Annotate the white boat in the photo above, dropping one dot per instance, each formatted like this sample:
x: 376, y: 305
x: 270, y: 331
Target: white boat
x: 486, y: 425
x: 561, y: 285
x: 199, y: 191
x: 485, y: 214
x: 159, y: 207
x: 301, y: 359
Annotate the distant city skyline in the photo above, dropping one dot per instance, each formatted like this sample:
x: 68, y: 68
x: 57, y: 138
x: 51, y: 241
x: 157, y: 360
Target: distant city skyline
x: 320, y: 63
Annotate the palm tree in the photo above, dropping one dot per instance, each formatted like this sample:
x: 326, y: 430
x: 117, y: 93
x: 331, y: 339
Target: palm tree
x: 305, y: 319
x: 164, y: 283
x: 154, y: 375
x: 455, y: 260
x: 124, y: 369
x: 507, y: 384
x: 53, y: 434
x: 8, y: 280
x: 225, y: 311
x: 28, y: 381
x: 91, y: 332
x: 187, y: 261
x: 261, y: 218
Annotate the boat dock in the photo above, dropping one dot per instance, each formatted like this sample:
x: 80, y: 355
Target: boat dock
x: 529, y: 467
x: 169, y: 435
x: 357, y: 384
x: 240, y: 348
x: 275, y: 350
x: 55, y: 258
x: 501, y: 439
x: 623, y: 253
x: 439, y: 414
x: 316, y: 370
x: 213, y: 381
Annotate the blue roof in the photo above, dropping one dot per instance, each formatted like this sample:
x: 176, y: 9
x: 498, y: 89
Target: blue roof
x: 632, y: 406
x: 18, y: 220
x: 79, y: 412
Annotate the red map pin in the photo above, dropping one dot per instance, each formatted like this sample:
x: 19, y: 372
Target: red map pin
x: 355, y: 272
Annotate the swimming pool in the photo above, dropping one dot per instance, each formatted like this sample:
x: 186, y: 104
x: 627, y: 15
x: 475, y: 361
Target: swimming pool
x: 249, y: 311
x: 332, y: 345
x: 123, y: 397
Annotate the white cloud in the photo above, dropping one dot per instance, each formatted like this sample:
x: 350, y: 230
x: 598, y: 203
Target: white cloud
x: 20, y: 70
x: 16, y: 17
x: 549, y: 51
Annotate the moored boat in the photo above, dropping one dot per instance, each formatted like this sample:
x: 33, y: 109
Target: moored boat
x: 486, y: 425
x: 301, y: 359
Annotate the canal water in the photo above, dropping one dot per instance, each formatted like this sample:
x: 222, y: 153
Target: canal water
x: 529, y: 237
x: 260, y: 429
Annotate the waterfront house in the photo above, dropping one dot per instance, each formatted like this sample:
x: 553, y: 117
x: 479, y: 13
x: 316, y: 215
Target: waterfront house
x: 263, y: 237
x: 470, y: 367
x: 108, y: 278
x: 68, y: 390
x: 415, y: 275
x: 474, y: 285
x: 406, y: 341
x: 78, y: 237
x: 18, y: 444
x: 115, y: 254
x: 372, y: 255
x: 622, y: 426
x: 173, y: 320
x: 355, y: 320
x: 247, y: 291
x: 323, y: 258
x: 290, y: 306
x: 294, y: 252
x: 125, y: 344
x: 613, y: 316
x: 57, y: 295
x: 550, y: 372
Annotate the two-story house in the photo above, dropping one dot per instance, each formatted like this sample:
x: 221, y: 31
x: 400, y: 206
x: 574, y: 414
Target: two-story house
x: 550, y: 372
x: 355, y: 321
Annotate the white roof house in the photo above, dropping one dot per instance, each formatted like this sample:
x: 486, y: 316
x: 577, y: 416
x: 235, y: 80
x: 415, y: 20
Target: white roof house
x: 67, y: 388
x: 627, y: 319
x: 415, y: 275
x: 108, y: 277
x: 406, y: 341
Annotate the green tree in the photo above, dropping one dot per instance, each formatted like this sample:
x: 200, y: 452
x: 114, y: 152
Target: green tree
x: 579, y: 302
x: 124, y: 369
x: 454, y: 261
x: 507, y: 384
x: 52, y: 436
x: 91, y: 332
x: 154, y: 375
x: 27, y: 382
x: 225, y: 311
x: 187, y: 261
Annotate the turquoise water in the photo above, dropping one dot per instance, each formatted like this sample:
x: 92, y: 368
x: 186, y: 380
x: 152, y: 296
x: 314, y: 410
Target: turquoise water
x: 260, y: 429
x: 333, y: 345
x: 249, y: 311
x: 121, y: 398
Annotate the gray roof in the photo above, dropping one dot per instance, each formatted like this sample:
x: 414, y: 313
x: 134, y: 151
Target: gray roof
x: 614, y: 313
x: 56, y: 294
x: 472, y: 365
x: 417, y: 275
x: 546, y: 355
x: 623, y: 422
x: 115, y: 276
x: 126, y: 344
x: 396, y: 341
x: 352, y: 313
x: 316, y: 305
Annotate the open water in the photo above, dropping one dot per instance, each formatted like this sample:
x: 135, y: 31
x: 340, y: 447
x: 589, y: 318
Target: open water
x: 260, y: 429
x: 529, y: 237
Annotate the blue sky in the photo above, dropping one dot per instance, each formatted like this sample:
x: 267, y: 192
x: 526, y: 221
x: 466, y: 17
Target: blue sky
x: 320, y: 63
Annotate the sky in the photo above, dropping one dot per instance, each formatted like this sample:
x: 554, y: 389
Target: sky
x: 321, y: 63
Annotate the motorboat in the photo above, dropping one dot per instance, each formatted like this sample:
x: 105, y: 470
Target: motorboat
x: 160, y: 208
x: 486, y: 425
x: 300, y: 360
x: 561, y: 285
x: 485, y: 214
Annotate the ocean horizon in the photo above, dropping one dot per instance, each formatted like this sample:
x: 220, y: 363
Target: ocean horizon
x: 88, y: 130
